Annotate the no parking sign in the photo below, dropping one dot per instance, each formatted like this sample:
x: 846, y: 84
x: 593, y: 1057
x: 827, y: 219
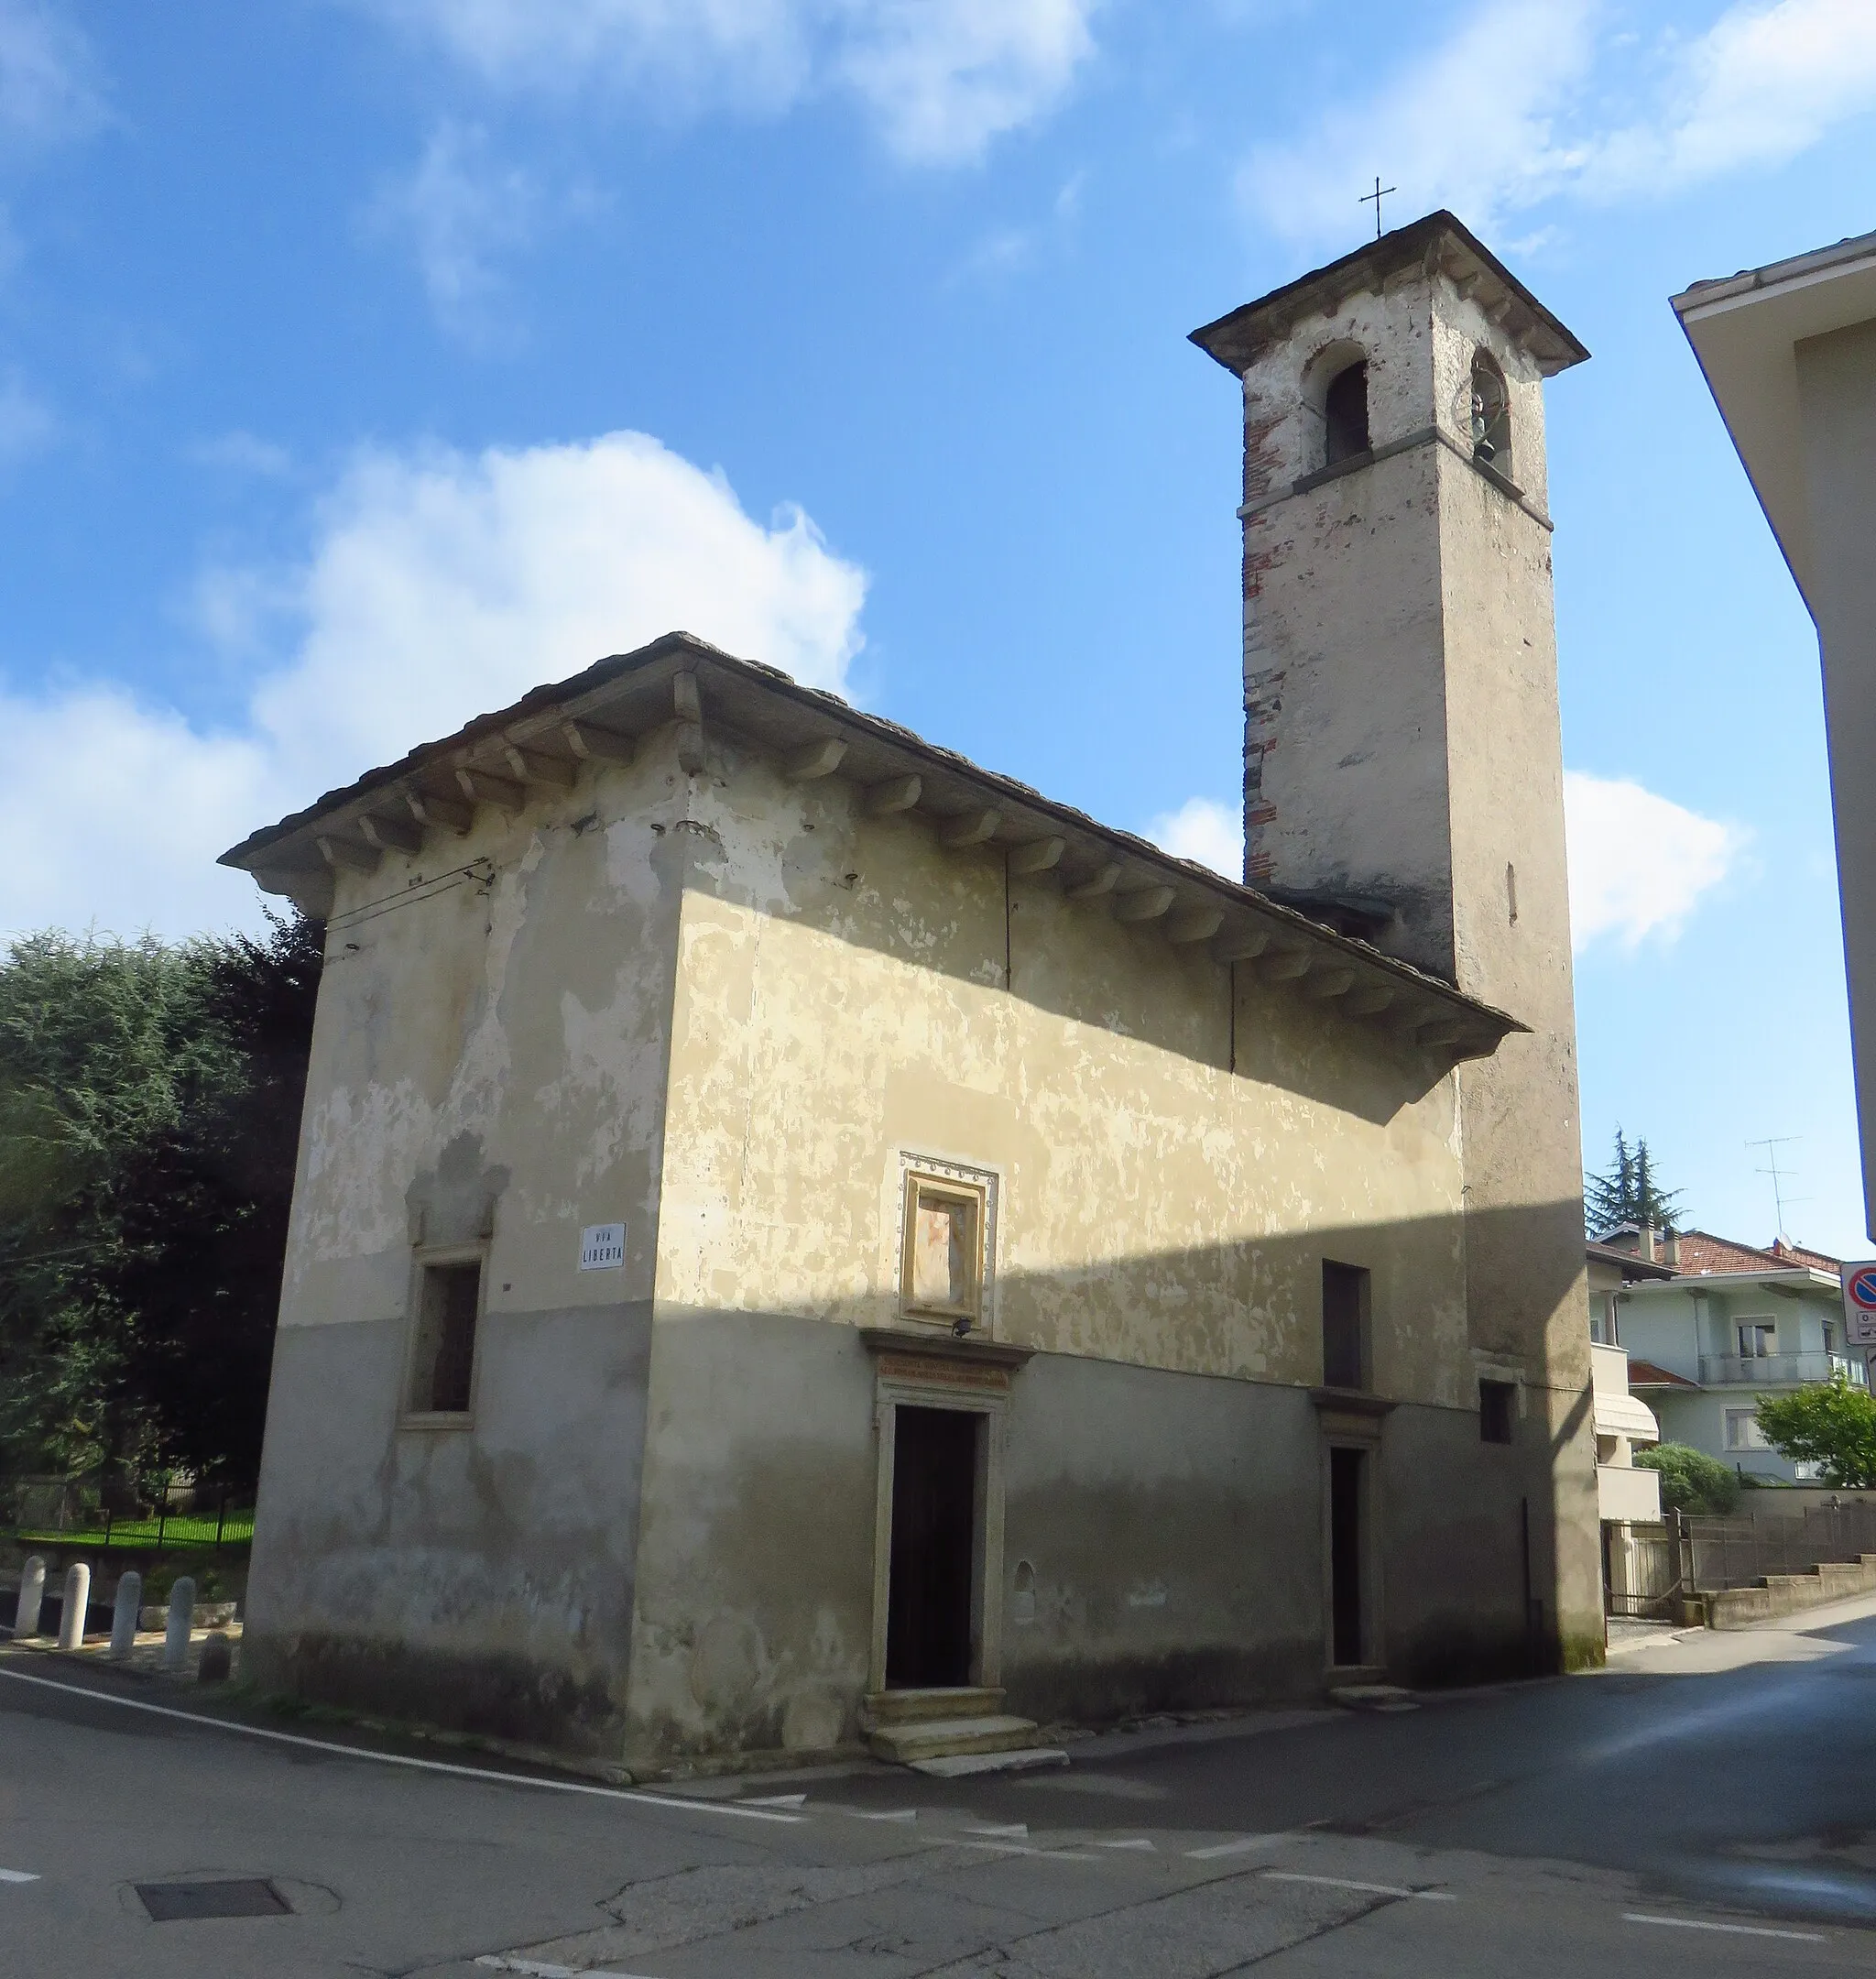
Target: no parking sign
x: 1859, y: 1304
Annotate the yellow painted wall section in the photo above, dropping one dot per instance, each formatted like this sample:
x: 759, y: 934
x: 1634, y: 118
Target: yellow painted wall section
x: 841, y: 1000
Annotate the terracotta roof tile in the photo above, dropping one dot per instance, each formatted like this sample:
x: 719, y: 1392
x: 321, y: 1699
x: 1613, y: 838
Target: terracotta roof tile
x: 1645, y: 1374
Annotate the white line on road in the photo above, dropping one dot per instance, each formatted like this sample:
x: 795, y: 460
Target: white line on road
x: 16, y: 1875
x: 534, y: 1969
x: 1736, y: 1930
x: 1374, y: 1889
x: 897, y: 1814
x: 402, y: 1759
x: 1003, y: 1830
x: 1016, y: 1848
x: 1139, y: 1842
x: 1242, y: 1846
x: 787, y: 1801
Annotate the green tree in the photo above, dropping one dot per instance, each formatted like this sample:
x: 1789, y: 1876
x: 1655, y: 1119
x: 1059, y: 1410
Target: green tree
x: 1691, y: 1481
x: 149, y: 1104
x: 1628, y: 1191
x: 1828, y: 1424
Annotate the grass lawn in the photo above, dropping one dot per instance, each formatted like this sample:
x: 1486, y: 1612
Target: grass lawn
x: 181, y: 1528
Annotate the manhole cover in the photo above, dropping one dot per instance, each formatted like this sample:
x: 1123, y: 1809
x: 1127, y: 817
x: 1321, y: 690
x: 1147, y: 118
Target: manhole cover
x: 168, y: 1903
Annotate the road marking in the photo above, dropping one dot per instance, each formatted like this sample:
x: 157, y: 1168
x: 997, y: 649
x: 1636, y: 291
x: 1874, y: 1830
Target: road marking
x: 1242, y: 1846
x: 16, y: 1875
x: 534, y: 1969
x: 994, y: 1827
x: 789, y: 1800
x: 1373, y: 1889
x: 1016, y: 1848
x: 402, y: 1759
x: 897, y: 1814
x: 1736, y: 1930
x: 1141, y: 1843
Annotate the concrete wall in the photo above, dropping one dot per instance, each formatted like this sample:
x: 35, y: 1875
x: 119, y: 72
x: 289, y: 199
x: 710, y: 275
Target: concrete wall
x: 1837, y: 392
x: 488, y: 1069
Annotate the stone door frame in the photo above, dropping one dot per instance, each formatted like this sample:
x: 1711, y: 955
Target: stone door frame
x: 973, y: 1377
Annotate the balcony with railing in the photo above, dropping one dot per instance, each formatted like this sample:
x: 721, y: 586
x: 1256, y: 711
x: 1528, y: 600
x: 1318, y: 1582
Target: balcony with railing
x: 1779, y: 1369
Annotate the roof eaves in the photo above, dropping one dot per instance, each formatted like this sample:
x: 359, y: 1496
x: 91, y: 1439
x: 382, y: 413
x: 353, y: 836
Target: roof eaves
x: 1439, y: 238
x: 291, y: 844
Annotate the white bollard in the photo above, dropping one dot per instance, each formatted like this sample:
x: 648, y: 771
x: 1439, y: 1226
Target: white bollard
x: 181, y: 1615
x: 78, y: 1595
x: 32, y: 1594
x: 123, y: 1615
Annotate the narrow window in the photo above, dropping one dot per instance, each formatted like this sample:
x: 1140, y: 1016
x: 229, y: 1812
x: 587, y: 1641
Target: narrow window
x: 1491, y: 414
x: 1497, y: 1411
x: 1345, y: 414
x: 1758, y: 1340
x: 444, y: 1359
x: 1345, y: 1326
x: 1602, y: 1319
x: 942, y: 1272
x: 1512, y: 891
x: 1829, y: 1338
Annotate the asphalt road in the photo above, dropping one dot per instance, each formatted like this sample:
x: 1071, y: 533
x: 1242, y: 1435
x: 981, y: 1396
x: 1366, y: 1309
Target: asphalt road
x: 1708, y: 1805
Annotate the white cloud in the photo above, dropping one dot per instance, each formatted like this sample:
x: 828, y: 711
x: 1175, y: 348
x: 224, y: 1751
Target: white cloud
x: 47, y: 92
x: 941, y: 78
x: 1762, y: 84
x: 460, y: 209
x: 944, y: 77
x: 1640, y: 864
x: 1530, y: 99
x: 1470, y: 125
x: 1204, y: 830
x: 27, y: 423
x: 439, y: 585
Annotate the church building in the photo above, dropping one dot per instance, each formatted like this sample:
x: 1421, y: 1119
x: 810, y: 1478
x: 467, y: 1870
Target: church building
x: 802, y: 1241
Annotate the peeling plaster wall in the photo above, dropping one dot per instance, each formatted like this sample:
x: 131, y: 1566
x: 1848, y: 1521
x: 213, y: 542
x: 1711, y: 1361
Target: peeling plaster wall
x: 487, y: 1068
x: 1162, y: 1221
x: 1402, y: 745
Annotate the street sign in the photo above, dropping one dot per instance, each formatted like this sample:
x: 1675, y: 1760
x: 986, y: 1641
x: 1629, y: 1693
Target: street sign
x: 1859, y: 1304
x: 603, y: 1248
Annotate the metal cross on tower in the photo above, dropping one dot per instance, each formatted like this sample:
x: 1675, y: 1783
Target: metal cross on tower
x: 1379, y: 194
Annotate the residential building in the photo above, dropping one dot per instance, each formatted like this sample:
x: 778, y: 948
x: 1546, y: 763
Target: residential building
x: 799, y: 1236
x: 1733, y: 1324
x: 1789, y: 351
x: 1625, y: 1493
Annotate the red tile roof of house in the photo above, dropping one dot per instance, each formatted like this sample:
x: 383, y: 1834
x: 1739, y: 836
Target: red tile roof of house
x: 1699, y: 1252
x: 1816, y: 1259
x: 1645, y: 1374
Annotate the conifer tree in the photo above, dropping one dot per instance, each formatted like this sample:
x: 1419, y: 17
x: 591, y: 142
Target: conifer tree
x: 1627, y: 1191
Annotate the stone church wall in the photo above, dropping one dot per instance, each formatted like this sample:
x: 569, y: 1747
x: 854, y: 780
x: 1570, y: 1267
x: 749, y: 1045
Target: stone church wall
x: 487, y: 1078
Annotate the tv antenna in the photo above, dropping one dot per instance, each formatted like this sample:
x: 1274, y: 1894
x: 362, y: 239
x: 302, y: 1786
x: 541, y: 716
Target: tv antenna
x: 1378, y: 195
x: 1780, y: 1177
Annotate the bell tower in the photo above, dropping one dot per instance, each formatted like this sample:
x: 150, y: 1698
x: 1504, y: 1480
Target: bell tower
x: 1402, y: 757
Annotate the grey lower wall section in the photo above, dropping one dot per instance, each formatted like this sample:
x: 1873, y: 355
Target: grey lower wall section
x: 480, y: 1579
x: 1171, y: 1524
x: 1173, y: 1527
x: 657, y: 1542
x: 755, y: 1591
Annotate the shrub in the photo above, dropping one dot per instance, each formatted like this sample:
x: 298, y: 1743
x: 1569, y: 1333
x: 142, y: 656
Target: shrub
x: 1691, y: 1481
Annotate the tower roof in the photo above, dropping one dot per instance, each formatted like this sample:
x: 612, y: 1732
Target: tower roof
x: 1438, y: 241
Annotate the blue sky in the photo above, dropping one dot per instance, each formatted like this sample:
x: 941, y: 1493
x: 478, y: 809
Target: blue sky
x: 363, y: 363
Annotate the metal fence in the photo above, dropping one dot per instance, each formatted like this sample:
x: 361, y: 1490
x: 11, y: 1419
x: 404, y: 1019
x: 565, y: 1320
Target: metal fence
x: 68, y: 1511
x: 1651, y: 1569
x: 1740, y: 1551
